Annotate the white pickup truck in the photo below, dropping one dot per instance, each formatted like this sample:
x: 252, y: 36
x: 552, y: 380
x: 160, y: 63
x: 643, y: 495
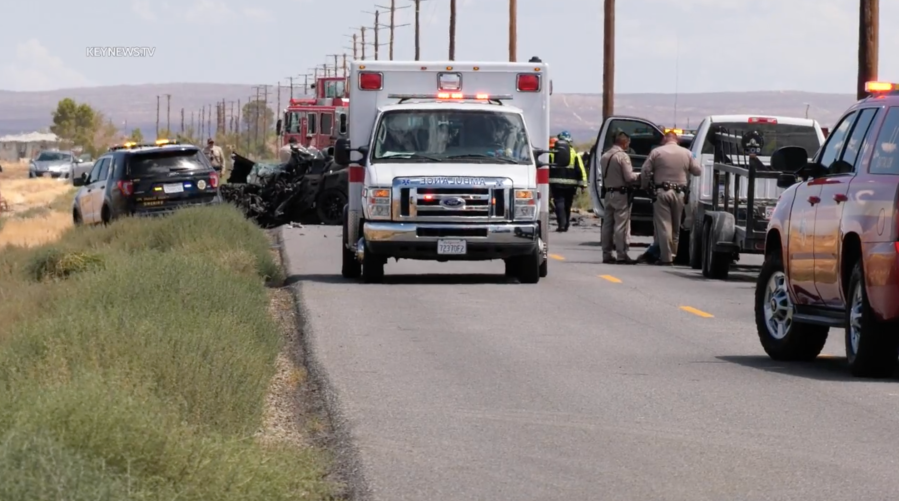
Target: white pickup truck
x: 735, y: 154
x: 447, y: 165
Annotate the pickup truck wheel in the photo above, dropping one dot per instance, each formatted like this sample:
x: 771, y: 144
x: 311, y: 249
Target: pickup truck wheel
x: 695, y: 245
x: 872, y: 347
x: 351, y: 267
x: 782, y: 337
x: 527, y: 268
x: 372, y: 268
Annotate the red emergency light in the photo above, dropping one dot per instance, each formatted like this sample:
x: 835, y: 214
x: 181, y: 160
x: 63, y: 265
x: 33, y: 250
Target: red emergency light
x: 371, y: 80
x: 528, y: 82
x: 874, y: 87
x: 761, y: 120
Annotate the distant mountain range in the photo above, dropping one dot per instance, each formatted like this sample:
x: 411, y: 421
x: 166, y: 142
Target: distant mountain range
x: 134, y: 106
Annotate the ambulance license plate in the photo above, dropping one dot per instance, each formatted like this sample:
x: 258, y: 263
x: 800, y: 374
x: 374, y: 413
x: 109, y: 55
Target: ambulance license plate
x: 769, y: 211
x: 452, y: 247
x: 173, y: 188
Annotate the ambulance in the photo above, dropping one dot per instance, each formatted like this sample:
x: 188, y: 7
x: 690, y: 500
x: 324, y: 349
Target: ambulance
x: 447, y: 162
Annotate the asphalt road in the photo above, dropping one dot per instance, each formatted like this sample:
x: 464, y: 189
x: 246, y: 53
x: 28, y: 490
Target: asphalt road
x: 601, y: 382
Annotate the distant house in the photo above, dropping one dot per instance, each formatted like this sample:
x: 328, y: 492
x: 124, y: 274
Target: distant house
x: 26, y: 146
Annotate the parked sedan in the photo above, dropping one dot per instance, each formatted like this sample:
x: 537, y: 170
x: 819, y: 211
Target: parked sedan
x: 54, y: 164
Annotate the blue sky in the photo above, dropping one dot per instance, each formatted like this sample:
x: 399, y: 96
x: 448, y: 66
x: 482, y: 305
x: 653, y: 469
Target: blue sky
x: 692, y: 45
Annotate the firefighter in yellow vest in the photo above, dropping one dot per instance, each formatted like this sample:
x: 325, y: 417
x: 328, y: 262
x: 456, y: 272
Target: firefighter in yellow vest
x: 564, y: 181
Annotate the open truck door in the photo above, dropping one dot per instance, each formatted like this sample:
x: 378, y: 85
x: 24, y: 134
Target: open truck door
x: 645, y: 135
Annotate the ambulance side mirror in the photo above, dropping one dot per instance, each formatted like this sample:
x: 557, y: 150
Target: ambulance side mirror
x: 278, y: 127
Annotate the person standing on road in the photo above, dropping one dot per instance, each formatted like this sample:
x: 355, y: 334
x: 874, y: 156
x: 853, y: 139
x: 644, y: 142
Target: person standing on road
x: 285, y: 151
x: 564, y: 182
x: 617, y: 179
x: 216, y: 157
x: 666, y: 172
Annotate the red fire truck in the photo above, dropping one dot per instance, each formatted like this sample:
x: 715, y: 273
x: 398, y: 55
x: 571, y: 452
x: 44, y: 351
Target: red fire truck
x: 317, y: 121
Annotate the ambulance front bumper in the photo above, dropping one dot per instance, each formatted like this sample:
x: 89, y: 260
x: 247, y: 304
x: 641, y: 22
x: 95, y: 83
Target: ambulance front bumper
x: 421, y: 240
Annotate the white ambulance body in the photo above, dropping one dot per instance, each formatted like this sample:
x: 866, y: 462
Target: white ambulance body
x: 442, y: 165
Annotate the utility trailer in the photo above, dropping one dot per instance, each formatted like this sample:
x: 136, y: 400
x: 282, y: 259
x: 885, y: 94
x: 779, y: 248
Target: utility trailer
x: 733, y: 223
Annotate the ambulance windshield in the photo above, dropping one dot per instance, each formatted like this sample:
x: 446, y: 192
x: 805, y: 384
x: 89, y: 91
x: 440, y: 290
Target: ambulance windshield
x: 452, y: 135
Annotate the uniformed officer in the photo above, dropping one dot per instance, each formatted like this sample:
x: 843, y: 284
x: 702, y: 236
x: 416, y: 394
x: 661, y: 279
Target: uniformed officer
x: 285, y: 152
x: 564, y: 182
x: 666, y: 172
x: 216, y: 157
x: 617, y: 179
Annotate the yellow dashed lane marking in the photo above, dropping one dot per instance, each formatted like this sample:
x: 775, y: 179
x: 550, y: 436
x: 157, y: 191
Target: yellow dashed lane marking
x: 610, y: 278
x: 557, y: 257
x: 699, y: 313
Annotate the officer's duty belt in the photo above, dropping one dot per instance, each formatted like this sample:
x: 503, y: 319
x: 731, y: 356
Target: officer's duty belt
x: 677, y: 188
x: 620, y: 189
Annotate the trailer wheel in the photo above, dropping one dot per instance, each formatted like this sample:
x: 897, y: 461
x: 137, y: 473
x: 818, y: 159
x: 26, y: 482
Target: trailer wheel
x: 696, y: 248
x: 351, y: 267
x: 716, y: 265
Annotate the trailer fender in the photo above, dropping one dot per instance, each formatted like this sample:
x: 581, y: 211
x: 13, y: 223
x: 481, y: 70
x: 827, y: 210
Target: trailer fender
x: 723, y: 231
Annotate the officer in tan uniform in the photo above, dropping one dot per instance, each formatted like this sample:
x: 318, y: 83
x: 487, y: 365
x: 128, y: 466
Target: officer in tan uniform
x: 617, y: 179
x: 665, y: 173
x: 216, y: 157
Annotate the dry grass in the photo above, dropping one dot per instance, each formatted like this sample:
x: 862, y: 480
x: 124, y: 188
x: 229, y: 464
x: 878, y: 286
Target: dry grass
x: 38, y: 208
x: 34, y: 231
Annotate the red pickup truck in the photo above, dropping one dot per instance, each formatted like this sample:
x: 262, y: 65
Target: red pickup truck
x: 832, y: 246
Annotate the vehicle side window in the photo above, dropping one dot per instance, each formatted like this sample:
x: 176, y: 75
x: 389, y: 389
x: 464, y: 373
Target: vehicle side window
x: 310, y: 127
x: 850, y: 158
x: 95, y: 172
x: 644, y: 137
x: 342, y: 129
x: 835, y: 142
x: 886, y: 148
x: 326, y: 124
x: 104, y: 170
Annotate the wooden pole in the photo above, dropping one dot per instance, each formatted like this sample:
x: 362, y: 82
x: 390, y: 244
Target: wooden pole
x: 392, y: 27
x: 513, y: 31
x: 452, y: 31
x: 417, y: 30
x: 363, y: 42
x: 377, y: 29
x: 868, y: 43
x: 608, y: 63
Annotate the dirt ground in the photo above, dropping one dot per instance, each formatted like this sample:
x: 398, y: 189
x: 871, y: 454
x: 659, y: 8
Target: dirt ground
x: 36, y: 210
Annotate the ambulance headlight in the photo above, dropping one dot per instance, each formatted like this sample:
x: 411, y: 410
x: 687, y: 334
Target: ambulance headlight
x: 377, y: 202
x: 525, y: 205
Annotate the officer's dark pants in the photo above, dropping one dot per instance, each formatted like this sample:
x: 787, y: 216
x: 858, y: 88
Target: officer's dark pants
x: 563, y: 198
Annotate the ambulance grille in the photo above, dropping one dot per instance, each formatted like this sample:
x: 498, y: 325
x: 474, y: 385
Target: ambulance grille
x: 445, y: 204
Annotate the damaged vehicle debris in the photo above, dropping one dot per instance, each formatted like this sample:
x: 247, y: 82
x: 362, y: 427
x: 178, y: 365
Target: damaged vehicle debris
x: 309, y: 188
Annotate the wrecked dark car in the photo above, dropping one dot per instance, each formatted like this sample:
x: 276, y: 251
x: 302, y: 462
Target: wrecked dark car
x: 310, y: 188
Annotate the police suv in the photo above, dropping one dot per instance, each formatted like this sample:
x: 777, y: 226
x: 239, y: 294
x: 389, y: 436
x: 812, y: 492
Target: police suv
x: 445, y: 165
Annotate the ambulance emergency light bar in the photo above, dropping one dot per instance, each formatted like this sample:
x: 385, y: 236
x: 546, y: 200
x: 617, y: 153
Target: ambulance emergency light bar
x: 455, y: 96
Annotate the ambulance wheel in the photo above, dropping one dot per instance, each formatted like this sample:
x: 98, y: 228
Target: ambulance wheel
x: 544, y: 268
x: 372, y: 268
x: 351, y: 267
x: 511, y: 270
x: 528, y: 268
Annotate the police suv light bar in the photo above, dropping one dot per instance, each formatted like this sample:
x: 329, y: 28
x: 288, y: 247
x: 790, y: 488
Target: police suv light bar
x: 453, y: 96
x: 874, y: 87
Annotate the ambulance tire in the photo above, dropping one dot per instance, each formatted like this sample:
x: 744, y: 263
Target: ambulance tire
x: 528, y: 268
x: 372, y: 268
x: 544, y: 267
x: 511, y: 270
x: 351, y: 267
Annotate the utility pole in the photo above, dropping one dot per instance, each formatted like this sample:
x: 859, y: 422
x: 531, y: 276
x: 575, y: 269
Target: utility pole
x: 202, y: 121
x: 355, y: 46
x: 306, y: 84
x: 168, y: 114
x: 209, y: 122
x: 362, y: 29
x: 264, y: 115
x: 377, y: 28
x: 608, y: 61
x: 868, y: 43
x: 393, y: 26
x: 157, y: 117
x: 237, y: 124
x: 513, y: 31
x: 231, y: 125
x: 417, y: 30
x: 290, y: 79
x: 182, y: 121
x: 336, y: 62
x: 452, y: 31
x: 344, y: 66
x: 224, y: 117
x: 256, y: 115
x: 193, y: 130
